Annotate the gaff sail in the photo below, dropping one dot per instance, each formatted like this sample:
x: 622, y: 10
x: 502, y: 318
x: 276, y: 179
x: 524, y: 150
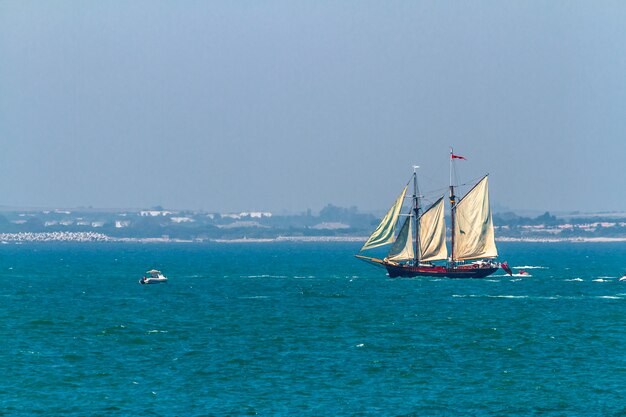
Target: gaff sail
x: 385, y: 230
x: 473, y: 227
x: 402, y: 249
x: 432, y: 233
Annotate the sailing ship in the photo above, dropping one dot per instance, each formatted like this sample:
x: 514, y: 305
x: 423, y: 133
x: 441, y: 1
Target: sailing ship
x: 421, y: 240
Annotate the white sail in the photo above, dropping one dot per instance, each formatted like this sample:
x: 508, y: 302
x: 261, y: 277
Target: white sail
x: 473, y: 227
x: 384, y: 232
x: 402, y: 249
x: 432, y: 233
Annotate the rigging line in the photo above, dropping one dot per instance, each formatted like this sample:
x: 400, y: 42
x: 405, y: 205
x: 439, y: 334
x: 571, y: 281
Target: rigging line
x: 436, y: 193
x: 443, y: 189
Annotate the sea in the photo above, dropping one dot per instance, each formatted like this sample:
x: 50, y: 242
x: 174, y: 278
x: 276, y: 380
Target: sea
x: 306, y: 329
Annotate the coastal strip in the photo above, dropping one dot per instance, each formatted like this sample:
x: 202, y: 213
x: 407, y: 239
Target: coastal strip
x: 23, y: 237
x: 54, y: 237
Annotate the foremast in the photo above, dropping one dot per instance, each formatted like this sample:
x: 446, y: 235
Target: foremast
x: 416, y: 215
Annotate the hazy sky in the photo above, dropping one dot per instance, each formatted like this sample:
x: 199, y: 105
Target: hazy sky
x: 267, y: 105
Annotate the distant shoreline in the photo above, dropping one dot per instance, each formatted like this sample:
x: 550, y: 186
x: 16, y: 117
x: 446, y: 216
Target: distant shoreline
x: 363, y: 239
x: 85, y: 237
x: 560, y: 240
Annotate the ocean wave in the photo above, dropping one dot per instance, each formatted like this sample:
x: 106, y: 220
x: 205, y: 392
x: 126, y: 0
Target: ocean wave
x: 507, y: 296
x: 264, y: 276
x: 487, y: 296
x: 541, y: 297
x: 522, y: 275
x: 600, y: 280
x: 574, y: 279
x: 530, y: 267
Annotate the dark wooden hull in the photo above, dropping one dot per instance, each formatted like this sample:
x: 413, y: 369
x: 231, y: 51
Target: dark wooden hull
x: 463, y: 271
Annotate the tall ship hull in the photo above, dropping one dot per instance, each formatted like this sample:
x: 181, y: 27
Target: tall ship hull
x: 465, y: 271
x: 473, y: 270
x: 419, y: 248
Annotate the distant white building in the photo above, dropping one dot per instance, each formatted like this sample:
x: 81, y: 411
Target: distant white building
x: 251, y: 214
x: 260, y: 214
x: 182, y: 220
x: 155, y: 213
x: 119, y: 224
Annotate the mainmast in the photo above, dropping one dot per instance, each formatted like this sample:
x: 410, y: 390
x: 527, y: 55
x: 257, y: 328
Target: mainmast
x: 415, y: 213
x: 452, y: 212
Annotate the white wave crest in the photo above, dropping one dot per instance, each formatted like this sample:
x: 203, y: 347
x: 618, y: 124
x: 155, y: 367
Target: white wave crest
x: 488, y: 296
x: 530, y: 267
x: 263, y: 276
x: 507, y: 296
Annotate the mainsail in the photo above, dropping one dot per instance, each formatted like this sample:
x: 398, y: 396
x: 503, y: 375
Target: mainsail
x: 473, y: 227
x: 432, y: 233
x: 402, y: 249
x: 384, y: 232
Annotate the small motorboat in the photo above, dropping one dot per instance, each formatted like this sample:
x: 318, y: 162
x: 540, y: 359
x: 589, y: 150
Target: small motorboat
x: 154, y: 277
x: 522, y: 272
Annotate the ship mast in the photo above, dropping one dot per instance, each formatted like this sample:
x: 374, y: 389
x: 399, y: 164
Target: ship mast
x: 416, y: 213
x: 452, y: 212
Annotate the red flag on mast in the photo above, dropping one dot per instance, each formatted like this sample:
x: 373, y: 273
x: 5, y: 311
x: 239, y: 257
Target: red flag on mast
x: 453, y: 156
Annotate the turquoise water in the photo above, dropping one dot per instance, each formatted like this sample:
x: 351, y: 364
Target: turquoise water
x: 306, y: 329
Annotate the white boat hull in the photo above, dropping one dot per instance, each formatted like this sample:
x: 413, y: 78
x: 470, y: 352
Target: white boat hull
x: 152, y: 280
